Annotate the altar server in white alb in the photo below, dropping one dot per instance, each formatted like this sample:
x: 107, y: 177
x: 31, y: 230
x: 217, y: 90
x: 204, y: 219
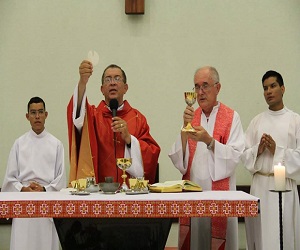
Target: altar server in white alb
x: 273, y: 137
x: 209, y: 158
x: 35, y: 164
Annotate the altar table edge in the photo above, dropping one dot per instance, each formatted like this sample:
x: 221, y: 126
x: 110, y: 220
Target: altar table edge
x: 153, y: 205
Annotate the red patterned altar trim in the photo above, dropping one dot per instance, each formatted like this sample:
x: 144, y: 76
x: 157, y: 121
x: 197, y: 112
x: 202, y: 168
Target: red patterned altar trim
x: 126, y: 209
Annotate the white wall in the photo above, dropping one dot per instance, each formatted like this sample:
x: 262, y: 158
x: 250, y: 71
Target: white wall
x: 43, y: 42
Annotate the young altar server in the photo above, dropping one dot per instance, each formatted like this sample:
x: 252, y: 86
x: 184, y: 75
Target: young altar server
x: 35, y: 164
x: 273, y: 137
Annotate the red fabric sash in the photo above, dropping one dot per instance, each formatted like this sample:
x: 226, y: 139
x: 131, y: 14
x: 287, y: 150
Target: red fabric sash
x: 218, y: 224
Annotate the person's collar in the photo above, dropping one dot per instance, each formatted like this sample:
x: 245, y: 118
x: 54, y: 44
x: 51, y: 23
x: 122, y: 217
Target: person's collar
x: 42, y: 134
x: 277, y: 112
x: 119, y: 108
x: 217, y: 106
x: 214, y: 109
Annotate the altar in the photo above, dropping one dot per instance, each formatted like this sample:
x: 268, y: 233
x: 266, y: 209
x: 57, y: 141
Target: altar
x: 134, y: 212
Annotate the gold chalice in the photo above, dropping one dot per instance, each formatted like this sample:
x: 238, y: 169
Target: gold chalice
x: 124, y: 164
x: 190, y: 99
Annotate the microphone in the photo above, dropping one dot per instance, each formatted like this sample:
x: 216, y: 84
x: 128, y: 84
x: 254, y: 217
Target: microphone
x: 113, y: 105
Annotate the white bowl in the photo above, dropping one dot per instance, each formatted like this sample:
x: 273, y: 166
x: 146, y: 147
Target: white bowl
x: 92, y: 188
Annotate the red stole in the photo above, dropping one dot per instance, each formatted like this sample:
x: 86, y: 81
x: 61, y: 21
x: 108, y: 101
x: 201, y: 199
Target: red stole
x: 95, y: 151
x: 218, y: 224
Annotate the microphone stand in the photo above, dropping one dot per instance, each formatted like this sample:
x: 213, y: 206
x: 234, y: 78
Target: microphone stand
x: 113, y: 105
x: 115, y: 152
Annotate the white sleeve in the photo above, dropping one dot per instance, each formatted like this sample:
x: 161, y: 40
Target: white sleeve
x: 78, y: 122
x: 176, y: 155
x: 59, y: 180
x: 249, y: 155
x: 227, y: 156
x: 134, y: 152
x: 11, y: 182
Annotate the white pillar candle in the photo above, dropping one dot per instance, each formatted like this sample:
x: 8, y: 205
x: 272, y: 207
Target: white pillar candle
x: 279, y: 177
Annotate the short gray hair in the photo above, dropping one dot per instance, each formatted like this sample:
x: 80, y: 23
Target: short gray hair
x: 214, y: 75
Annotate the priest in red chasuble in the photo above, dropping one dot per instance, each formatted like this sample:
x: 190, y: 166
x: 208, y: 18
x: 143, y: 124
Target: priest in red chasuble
x: 113, y: 129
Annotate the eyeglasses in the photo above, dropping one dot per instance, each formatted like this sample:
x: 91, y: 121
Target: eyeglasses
x: 204, y: 87
x: 116, y: 79
x: 34, y: 112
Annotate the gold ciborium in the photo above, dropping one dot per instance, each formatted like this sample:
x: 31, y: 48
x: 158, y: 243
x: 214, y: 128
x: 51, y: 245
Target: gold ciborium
x: 190, y: 99
x: 124, y: 164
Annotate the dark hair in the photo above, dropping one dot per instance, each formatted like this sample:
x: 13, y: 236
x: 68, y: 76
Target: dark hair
x: 114, y: 66
x: 35, y: 99
x: 272, y: 73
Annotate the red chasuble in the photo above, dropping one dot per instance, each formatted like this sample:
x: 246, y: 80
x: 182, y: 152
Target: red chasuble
x: 94, y: 152
x: 218, y: 224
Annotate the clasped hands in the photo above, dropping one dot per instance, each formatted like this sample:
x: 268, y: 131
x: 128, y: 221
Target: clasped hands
x: 120, y: 125
x: 266, y: 142
x: 33, y: 187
